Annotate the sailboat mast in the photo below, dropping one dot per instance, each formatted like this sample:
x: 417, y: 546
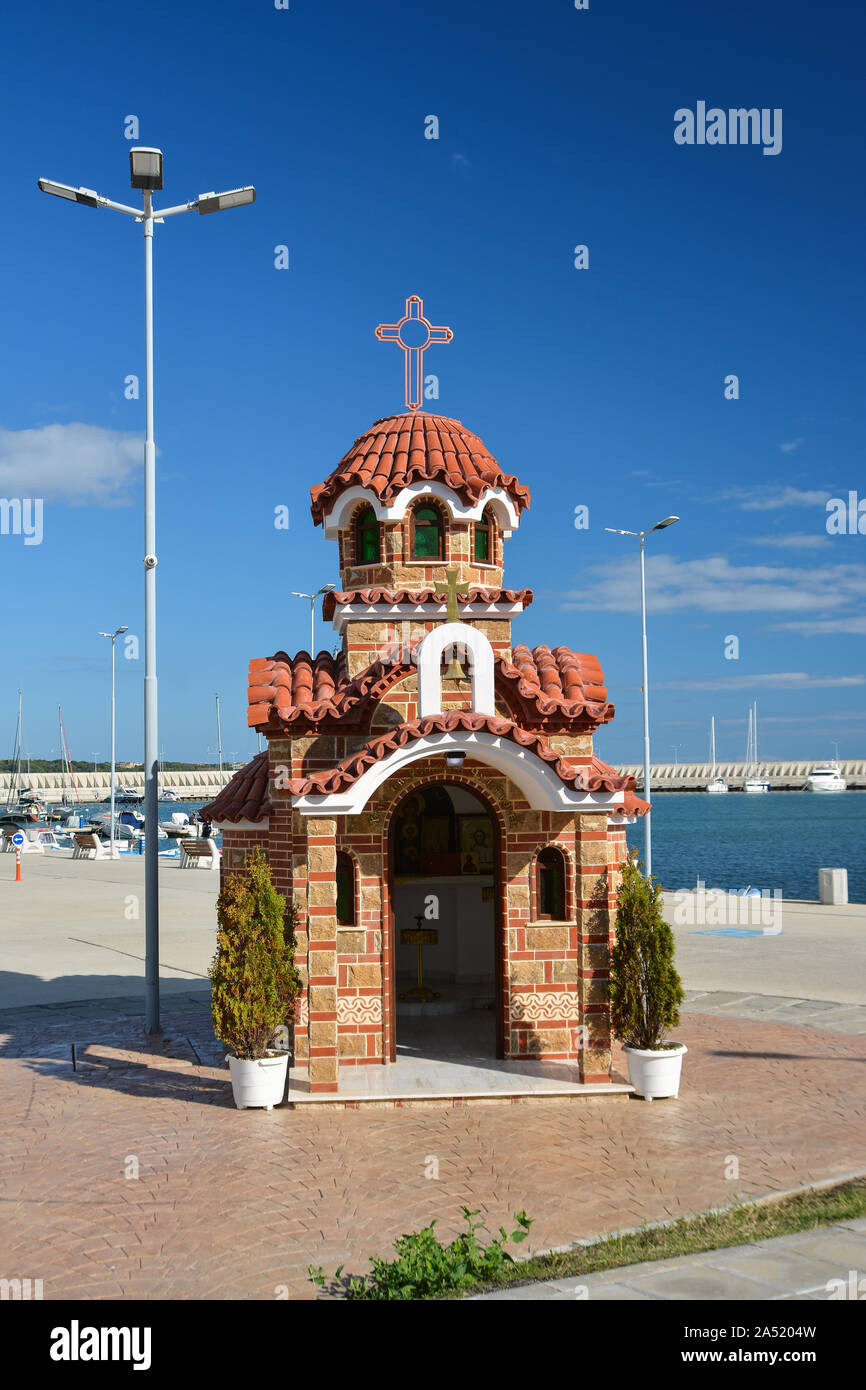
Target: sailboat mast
x: 713, y: 743
x: 64, y: 747
x: 15, y: 781
x: 755, y: 707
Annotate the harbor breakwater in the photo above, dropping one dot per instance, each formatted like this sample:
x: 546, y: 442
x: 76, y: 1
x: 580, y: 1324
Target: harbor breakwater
x: 203, y: 784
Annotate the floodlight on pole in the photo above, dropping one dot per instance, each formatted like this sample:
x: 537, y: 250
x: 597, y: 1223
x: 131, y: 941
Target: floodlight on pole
x: 221, y: 202
x: 641, y: 537
x: 145, y: 168
x: 325, y: 589
x: 146, y: 174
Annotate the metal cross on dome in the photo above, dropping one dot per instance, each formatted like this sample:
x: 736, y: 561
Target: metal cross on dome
x: 414, y: 334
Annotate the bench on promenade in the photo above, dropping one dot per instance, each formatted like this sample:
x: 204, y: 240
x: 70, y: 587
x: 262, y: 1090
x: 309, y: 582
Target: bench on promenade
x: 194, y: 852
x: 32, y: 842
x: 88, y: 846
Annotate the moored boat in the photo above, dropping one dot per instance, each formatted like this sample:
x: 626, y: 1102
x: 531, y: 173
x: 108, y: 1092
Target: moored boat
x: 826, y: 777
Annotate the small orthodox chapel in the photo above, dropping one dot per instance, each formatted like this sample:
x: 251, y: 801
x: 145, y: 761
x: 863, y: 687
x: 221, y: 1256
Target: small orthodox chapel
x: 429, y: 797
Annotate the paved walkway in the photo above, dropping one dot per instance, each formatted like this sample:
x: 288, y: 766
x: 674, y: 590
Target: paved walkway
x: 775, y: 1008
x: 128, y: 1172
x: 814, y: 1265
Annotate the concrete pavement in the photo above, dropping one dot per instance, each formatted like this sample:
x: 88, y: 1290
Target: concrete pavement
x: 74, y: 929
x: 815, y: 1264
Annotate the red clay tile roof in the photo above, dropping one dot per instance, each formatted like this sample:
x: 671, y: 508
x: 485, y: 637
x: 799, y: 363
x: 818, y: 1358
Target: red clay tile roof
x: 559, y: 681
x: 285, y: 690
x: 402, y: 449
x: 632, y: 806
x: 245, y: 797
x: 476, y: 593
x: 599, y: 777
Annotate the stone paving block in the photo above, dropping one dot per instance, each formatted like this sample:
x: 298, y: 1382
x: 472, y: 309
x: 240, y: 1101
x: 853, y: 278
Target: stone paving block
x: 700, y: 1282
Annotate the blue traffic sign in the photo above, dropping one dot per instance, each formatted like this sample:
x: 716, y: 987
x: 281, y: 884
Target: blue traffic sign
x: 17, y: 838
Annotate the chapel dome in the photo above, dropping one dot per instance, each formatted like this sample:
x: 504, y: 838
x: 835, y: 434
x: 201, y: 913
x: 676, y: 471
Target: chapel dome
x: 402, y: 449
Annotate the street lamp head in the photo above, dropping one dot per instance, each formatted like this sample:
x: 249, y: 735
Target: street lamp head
x: 120, y: 630
x: 145, y: 168
x: 219, y: 202
x: 660, y: 525
x: 88, y: 196
x: 615, y: 531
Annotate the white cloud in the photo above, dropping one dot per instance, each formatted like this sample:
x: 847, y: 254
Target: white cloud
x: 771, y: 499
x: 819, y: 720
x: 714, y: 585
x: 825, y: 627
x: 795, y: 540
x: 73, y: 463
x: 789, y: 448
x: 774, y: 680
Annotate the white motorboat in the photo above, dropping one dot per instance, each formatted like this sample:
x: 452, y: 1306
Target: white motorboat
x: 827, y: 777
x: 716, y: 783
x: 755, y: 781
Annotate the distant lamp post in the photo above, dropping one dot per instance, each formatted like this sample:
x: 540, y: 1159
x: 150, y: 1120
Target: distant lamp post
x: 641, y: 536
x: 114, y: 636
x: 325, y: 589
x: 145, y: 169
x: 676, y: 747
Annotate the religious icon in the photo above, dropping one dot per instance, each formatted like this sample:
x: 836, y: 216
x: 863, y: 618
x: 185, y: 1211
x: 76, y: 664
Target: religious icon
x: 476, y: 844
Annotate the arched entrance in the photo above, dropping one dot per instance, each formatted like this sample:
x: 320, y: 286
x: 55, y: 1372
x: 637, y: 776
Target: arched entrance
x: 445, y: 880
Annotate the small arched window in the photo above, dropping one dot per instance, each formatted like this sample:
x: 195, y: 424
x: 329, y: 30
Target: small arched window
x: 550, y: 885
x: 345, y: 891
x: 366, y: 537
x: 427, y: 533
x: 485, y: 539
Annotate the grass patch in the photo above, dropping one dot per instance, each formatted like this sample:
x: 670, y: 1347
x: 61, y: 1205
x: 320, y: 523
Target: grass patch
x: 693, y: 1235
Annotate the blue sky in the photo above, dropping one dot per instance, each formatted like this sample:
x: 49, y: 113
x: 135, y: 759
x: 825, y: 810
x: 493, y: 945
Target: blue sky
x: 601, y: 387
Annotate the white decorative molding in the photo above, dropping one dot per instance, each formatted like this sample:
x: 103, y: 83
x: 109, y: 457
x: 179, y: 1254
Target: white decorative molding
x: 507, y: 515
x: 360, y: 1008
x: 429, y: 658
x: 548, y: 1006
x: 543, y: 788
x: 423, y: 611
x: 241, y: 824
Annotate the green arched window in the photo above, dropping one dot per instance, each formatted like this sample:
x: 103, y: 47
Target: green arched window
x: 485, y: 533
x: 427, y: 533
x: 366, y: 537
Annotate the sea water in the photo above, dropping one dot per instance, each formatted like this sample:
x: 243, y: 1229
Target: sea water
x: 778, y: 840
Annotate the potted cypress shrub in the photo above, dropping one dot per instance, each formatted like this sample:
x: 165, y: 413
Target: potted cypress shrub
x: 645, y: 989
x: 254, y: 982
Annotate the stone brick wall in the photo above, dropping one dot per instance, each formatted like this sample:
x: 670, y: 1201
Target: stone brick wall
x: 552, y: 976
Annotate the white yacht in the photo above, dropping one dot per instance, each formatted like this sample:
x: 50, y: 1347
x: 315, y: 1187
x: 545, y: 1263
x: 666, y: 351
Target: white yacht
x: 826, y: 778
x: 755, y: 781
x: 716, y: 783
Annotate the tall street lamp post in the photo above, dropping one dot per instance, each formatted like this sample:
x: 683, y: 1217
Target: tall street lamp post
x: 145, y: 166
x: 114, y: 636
x: 325, y: 589
x: 641, y: 536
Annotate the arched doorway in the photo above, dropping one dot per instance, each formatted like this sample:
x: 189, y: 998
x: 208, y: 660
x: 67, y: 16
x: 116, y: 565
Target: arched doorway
x: 445, y: 881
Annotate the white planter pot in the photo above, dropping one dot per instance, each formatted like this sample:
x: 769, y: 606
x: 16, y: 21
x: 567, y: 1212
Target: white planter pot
x: 259, y: 1083
x: 655, y: 1074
